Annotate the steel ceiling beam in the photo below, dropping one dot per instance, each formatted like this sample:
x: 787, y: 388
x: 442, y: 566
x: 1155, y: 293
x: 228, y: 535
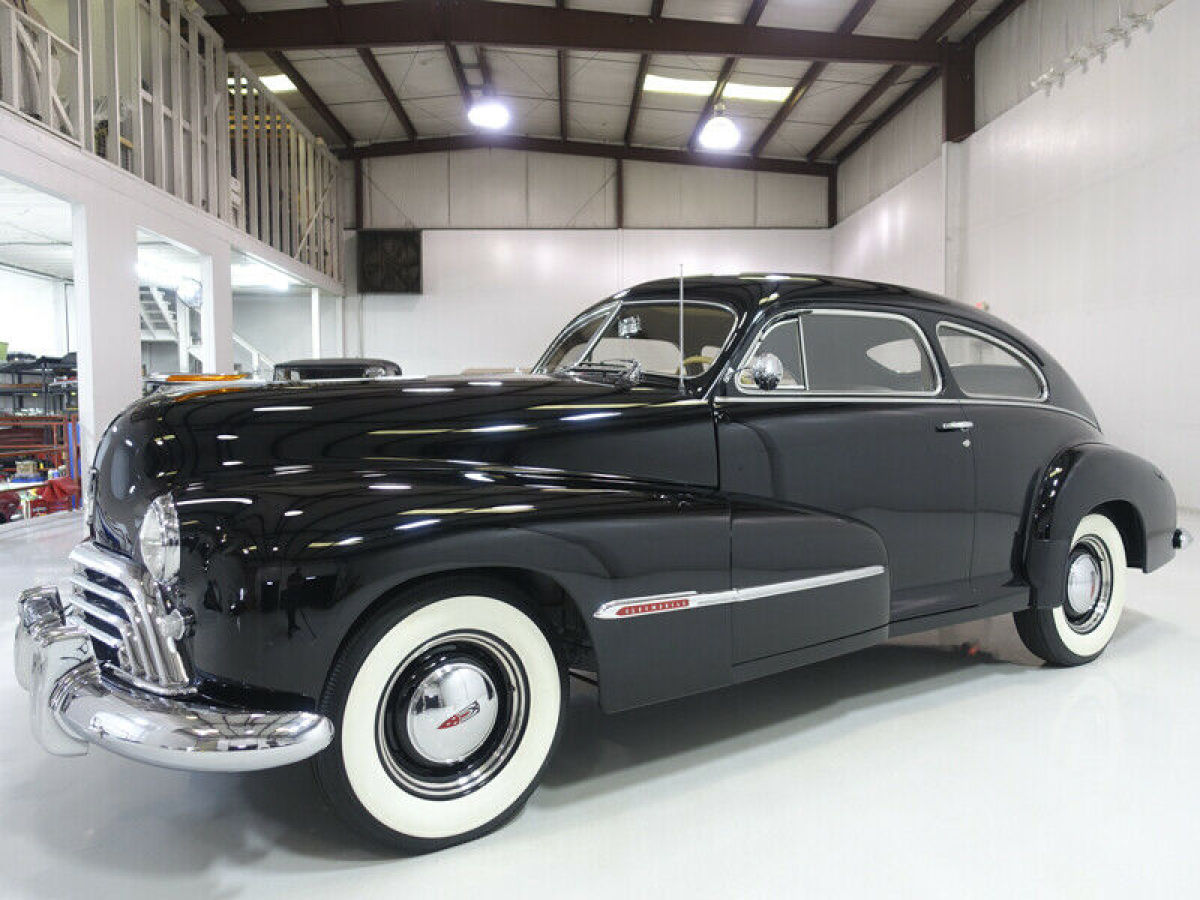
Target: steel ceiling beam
x: 389, y: 94
x: 934, y: 32
x: 753, y: 14
x: 918, y: 87
x: 399, y: 23
x: 306, y: 91
x: 639, y: 81
x: 853, y: 19
x: 460, y: 75
x: 588, y: 148
x: 381, y: 81
x: 563, y: 118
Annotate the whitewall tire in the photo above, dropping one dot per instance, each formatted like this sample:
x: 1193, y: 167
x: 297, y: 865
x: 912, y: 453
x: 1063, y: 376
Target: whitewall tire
x: 446, y: 708
x: 1080, y: 627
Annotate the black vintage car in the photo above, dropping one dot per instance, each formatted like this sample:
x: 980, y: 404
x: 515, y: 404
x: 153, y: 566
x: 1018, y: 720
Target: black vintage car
x: 395, y: 578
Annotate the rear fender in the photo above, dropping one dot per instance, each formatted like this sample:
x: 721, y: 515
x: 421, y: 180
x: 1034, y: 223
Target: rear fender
x: 1082, y: 479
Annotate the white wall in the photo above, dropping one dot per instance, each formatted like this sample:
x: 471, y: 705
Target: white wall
x: 279, y: 325
x: 905, y: 145
x: 899, y: 237
x: 36, y: 314
x: 1080, y: 212
x: 497, y: 297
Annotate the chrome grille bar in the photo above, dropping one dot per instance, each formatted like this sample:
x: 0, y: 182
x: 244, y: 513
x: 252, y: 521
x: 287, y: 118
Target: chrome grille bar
x: 150, y: 659
x: 132, y: 625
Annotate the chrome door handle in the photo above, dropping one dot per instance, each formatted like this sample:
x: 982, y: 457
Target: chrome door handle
x: 959, y: 425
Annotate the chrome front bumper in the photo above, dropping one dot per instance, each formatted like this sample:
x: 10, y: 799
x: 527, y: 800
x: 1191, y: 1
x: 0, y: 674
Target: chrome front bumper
x: 74, y: 705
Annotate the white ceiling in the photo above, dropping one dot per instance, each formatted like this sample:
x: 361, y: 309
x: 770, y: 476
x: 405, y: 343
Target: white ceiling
x: 601, y: 84
x: 35, y: 231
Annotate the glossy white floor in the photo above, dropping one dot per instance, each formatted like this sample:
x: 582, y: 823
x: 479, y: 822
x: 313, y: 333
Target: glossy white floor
x: 947, y: 765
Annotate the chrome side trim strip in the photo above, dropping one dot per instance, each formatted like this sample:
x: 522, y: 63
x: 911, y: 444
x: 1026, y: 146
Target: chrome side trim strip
x: 680, y: 600
x: 830, y: 399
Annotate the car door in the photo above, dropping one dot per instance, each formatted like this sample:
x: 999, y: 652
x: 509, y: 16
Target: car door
x: 1016, y: 431
x: 856, y: 439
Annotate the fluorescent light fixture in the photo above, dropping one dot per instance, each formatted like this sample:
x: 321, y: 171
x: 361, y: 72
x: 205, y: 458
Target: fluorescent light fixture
x: 700, y: 87
x: 765, y: 93
x: 490, y: 114
x: 277, y: 84
x: 693, y: 87
x: 719, y: 132
x: 257, y: 275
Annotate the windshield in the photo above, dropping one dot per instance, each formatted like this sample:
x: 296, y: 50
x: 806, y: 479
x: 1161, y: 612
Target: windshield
x: 645, y: 332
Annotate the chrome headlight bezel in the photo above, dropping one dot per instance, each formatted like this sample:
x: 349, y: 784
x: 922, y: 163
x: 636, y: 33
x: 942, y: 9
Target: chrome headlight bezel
x: 158, y: 539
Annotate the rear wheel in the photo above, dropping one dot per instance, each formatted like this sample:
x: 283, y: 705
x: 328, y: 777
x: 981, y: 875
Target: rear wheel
x: 446, y: 708
x: 1077, y: 630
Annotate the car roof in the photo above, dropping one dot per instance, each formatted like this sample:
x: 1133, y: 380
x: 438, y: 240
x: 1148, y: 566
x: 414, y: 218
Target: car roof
x: 747, y: 292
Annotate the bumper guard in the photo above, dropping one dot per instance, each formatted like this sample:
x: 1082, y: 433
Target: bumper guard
x: 74, y: 705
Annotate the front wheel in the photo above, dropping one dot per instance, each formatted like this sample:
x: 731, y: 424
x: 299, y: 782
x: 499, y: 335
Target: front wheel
x: 446, y: 707
x: 1078, y: 629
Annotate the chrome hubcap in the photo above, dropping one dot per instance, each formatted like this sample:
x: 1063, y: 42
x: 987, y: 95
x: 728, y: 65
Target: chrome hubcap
x: 452, y: 715
x: 1089, y: 584
x: 452, y: 712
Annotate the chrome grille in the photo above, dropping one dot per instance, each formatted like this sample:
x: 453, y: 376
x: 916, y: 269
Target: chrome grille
x: 124, y: 620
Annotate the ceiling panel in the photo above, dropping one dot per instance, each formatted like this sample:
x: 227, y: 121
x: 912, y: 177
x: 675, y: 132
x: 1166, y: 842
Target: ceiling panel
x: 814, y: 15
x: 794, y: 139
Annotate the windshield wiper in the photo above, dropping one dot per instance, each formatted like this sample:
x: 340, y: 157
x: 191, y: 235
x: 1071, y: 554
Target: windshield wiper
x: 627, y: 372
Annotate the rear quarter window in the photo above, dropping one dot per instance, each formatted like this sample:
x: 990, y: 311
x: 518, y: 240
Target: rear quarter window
x: 986, y: 367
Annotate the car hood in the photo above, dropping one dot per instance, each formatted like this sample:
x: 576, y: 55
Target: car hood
x: 211, y: 438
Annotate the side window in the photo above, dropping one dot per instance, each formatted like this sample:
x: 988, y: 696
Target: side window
x: 783, y: 340
x: 866, y: 353
x: 986, y: 368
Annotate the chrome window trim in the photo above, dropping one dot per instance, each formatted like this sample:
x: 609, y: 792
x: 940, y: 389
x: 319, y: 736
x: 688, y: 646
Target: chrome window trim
x: 605, y: 311
x: 678, y: 601
x: 619, y: 305
x: 806, y: 391
x: 1003, y: 345
x: 763, y: 333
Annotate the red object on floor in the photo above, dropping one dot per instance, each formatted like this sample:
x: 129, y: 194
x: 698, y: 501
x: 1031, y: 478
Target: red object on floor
x: 58, y: 495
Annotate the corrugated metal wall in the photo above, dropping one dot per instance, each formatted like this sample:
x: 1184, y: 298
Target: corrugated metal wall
x: 515, y: 189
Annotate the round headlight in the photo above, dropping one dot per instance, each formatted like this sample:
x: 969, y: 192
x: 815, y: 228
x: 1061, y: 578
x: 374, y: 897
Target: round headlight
x: 159, y: 539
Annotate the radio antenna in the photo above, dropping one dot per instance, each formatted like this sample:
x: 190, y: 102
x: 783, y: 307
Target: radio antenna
x: 682, y: 371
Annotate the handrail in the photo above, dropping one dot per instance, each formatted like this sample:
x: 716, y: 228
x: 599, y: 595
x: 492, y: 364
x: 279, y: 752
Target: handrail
x: 32, y: 68
x: 184, y: 116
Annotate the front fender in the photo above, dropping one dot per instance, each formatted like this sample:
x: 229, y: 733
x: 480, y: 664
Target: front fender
x: 279, y: 570
x: 1080, y: 479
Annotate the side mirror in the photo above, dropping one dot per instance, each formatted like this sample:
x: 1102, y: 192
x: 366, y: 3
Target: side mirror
x: 765, y: 370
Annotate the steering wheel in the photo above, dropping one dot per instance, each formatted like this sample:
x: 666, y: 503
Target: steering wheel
x: 698, y: 360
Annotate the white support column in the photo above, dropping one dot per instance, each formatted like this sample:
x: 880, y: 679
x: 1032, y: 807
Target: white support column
x: 104, y: 238
x: 340, y: 325
x: 216, y: 314
x: 954, y: 192
x: 183, y: 333
x: 316, y: 323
